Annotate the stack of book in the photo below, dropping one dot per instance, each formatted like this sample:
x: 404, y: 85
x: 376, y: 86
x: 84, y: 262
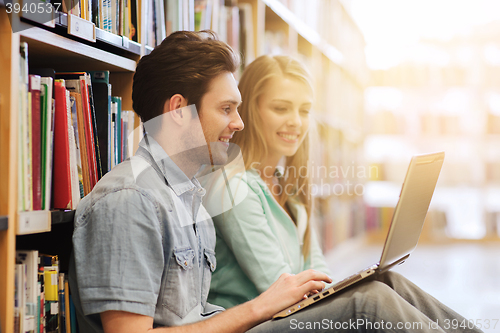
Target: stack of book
x: 71, y: 132
x: 42, y: 298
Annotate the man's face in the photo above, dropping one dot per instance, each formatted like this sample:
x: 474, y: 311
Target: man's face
x: 219, y: 115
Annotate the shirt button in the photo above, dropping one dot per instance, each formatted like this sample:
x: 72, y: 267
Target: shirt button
x: 212, y: 266
x: 185, y: 263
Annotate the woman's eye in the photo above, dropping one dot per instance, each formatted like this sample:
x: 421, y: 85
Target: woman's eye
x: 280, y: 109
x: 305, y: 112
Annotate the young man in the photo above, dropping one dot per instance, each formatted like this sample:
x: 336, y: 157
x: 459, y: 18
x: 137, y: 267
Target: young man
x: 144, y: 244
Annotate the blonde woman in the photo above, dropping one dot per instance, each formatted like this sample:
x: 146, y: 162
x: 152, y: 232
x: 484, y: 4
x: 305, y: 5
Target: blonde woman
x: 272, y: 234
x: 269, y: 232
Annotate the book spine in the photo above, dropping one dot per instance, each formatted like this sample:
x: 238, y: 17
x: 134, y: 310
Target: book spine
x: 28, y: 158
x: 36, y: 124
x: 23, y: 96
x: 62, y: 305
x: 89, y: 134
x: 75, y: 187
x: 51, y: 299
x: 67, y: 313
x: 95, y: 131
x: 62, y: 183
x: 110, y: 131
x: 76, y: 132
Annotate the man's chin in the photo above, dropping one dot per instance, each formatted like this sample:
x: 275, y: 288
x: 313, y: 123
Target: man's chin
x: 219, y: 159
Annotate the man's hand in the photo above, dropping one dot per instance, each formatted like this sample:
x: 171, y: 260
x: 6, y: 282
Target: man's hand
x: 288, y: 290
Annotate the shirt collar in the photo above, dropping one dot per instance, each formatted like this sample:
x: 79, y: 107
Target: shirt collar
x: 176, y: 179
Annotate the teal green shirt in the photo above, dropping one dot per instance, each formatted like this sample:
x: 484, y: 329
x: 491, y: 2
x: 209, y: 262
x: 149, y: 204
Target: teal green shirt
x: 257, y: 241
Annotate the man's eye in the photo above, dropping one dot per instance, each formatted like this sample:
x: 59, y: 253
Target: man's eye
x: 227, y: 109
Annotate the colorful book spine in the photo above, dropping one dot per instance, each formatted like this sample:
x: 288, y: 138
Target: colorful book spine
x: 34, y: 89
x: 62, y: 195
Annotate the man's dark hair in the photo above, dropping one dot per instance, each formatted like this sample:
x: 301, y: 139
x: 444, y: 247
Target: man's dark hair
x: 184, y: 63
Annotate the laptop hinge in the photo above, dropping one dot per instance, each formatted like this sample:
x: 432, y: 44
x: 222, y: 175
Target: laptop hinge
x: 397, y: 262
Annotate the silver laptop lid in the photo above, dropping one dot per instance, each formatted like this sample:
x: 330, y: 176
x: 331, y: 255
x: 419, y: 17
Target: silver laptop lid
x: 410, y: 212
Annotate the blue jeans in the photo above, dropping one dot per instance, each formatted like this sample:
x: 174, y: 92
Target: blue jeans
x: 386, y: 303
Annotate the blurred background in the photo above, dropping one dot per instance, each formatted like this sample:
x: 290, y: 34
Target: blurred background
x: 392, y: 79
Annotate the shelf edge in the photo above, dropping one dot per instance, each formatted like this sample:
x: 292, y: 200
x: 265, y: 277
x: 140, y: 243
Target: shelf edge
x: 69, y: 45
x: 4, y: 223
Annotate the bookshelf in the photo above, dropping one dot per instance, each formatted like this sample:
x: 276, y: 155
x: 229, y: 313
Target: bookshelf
x: 52, y: 48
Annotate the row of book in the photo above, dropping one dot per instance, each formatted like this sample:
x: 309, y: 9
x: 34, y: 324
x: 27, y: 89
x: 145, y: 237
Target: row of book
x: 71, y: 132
x: 42, y: 301
x: 116, y: 16
x: 231, y: 21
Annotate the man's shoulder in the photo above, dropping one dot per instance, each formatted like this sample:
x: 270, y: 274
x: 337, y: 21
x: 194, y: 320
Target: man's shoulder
x: 129, y: 181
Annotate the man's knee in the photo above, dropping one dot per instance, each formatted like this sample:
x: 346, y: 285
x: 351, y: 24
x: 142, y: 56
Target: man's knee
x: 369, y: 295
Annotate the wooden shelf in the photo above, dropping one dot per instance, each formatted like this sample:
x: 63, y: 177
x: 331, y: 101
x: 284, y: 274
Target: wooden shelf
x: 4, y: 223
x: 49, y: 49
x: 107, y: 37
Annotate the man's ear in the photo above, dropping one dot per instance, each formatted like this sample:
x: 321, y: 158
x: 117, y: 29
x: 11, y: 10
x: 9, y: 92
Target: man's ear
x: 173, y: 107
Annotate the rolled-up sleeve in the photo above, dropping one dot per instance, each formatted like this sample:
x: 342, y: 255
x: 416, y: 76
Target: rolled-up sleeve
x: 119, y: 254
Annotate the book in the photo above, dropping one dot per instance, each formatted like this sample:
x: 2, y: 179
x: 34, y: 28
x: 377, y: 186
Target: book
x: 97, y: 149
x: 51, y: 299
x: 34, y: 89
x: 67, y: 313
x: 30, y: 260
x: 24, y: 175
x: 89, y: 134
x: 47, y: 139
x: 77, y: 82
x: 62, y: 304
x: 101, y: 90
x: 19, y: 297
x: 117, y: 101
x: 75, y: 125
x: 75, y: 187
x: 173, y: 16
x: 47, y: 131
x: 62, y: 194
x: 72, y: 311
x: 80, y: 123
x: 134, y: 28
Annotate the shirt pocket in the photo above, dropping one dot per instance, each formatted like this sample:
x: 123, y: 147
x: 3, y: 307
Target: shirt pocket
x: 208, y: 268
x: 180, y: 290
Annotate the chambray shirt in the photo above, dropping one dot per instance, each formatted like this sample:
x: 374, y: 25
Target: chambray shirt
x: 143, y: 243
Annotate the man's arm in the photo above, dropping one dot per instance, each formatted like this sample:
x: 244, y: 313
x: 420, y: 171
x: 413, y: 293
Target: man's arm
x: 287, y: 290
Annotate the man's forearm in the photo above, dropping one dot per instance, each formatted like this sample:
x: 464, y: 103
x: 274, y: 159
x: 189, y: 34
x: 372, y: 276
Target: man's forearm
x: 241, y: 318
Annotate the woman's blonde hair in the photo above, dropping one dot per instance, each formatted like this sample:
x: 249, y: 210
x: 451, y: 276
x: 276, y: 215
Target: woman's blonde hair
x: 252, y: 141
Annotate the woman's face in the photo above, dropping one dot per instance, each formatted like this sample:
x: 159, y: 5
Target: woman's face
x: 284, y: 108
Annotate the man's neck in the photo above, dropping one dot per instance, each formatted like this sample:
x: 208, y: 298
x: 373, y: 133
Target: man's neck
x: 186, y: 160
x: 186, y: 164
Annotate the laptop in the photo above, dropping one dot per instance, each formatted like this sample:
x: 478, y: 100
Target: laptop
x: 404, y: 231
